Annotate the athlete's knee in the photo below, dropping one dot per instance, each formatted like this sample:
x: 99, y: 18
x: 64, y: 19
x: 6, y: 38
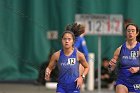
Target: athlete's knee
x: 121, y: 89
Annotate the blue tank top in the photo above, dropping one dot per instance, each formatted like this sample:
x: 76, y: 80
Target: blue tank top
x: 129, y: 58
x: 80, y: 44
x: 68, y: 67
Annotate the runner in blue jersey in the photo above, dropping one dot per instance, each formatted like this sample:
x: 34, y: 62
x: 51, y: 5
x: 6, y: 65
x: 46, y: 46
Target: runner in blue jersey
x: 128, y: 79
x: 80, y: 44
x: 68, y: 60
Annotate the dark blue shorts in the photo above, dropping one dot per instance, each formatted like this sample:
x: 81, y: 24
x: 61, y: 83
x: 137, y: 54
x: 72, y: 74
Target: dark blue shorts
x: 133, y: 85
x: 67, y: 88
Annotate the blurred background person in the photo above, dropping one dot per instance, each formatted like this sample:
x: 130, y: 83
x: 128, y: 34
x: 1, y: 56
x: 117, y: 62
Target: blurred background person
x: 41, y: 77
x: 107, y: 78
x: 127, y: 21
x: 80, y: 44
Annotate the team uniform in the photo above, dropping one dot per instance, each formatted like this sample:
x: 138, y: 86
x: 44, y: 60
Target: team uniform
x: 80, y: 44
x: 129, y: 58
x: 68, y: 72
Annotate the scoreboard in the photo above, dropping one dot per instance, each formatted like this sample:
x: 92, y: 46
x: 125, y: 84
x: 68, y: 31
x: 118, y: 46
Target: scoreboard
x: 101, y: 24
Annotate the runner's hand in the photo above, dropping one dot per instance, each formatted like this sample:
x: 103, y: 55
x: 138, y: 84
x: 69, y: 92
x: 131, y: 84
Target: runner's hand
x: 79, y: 82
x: 134, y: 69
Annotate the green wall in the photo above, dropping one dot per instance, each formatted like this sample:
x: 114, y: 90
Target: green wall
x: 23, y: 25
